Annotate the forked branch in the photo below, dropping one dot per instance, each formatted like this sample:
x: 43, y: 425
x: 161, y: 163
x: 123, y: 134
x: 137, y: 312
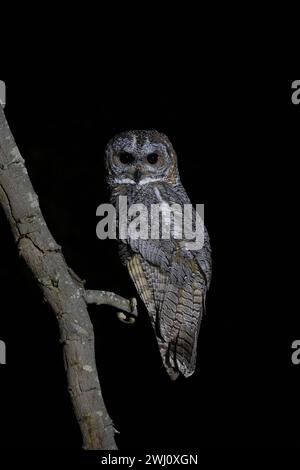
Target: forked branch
x: 63, y: 291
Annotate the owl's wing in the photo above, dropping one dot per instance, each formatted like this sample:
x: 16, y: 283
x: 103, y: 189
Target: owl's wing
x: 184, y: 304
x: 151, y: 283
x: 150, y: 279
x: 180, y: 316
x: 173, y: 289
x: 172, y: 283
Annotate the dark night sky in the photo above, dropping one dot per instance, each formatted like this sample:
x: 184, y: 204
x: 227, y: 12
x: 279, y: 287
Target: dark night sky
x: 232, y: 139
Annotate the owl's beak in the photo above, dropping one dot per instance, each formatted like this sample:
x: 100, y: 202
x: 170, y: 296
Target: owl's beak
x: 137, y: 175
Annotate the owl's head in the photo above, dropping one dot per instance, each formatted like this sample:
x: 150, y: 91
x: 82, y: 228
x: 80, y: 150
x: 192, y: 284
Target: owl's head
x: 141, y: 157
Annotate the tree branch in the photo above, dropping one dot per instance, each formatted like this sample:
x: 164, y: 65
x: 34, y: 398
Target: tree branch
x: 101, y: 297
x: 63, y: 291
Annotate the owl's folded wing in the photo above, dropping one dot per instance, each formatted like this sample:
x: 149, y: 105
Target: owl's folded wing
x: 175, y: 305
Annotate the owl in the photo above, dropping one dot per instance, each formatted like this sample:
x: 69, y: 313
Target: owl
x: 171, y: 280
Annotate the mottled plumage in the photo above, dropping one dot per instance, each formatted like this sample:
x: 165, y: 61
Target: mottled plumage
x: 171, y: 280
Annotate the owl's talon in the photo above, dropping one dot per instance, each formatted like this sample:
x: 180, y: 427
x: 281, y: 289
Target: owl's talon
x: 126, y: 318
x: 133, y: 303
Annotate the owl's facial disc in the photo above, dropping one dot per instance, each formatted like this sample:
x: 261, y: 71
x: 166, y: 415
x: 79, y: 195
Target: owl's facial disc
x: 140, y: 165
x: 139, y: 157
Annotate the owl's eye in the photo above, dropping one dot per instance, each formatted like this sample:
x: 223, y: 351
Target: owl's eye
x: 126, y: 158
x: 152, y: 158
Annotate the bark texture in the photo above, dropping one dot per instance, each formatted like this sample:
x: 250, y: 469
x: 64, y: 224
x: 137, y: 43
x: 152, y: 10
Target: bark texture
x: 63, y: 291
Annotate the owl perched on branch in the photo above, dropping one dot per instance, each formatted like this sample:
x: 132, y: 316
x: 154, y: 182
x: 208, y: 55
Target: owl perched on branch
x: 171, y: 280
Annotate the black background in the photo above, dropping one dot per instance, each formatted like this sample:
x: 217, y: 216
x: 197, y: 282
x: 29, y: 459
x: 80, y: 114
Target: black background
x: 233, y: 139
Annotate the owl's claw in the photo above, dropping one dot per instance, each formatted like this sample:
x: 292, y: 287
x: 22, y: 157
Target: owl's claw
x: 133, y: 303
x: 126, y: 318
x: 128, y: 308
x: 129, y: 318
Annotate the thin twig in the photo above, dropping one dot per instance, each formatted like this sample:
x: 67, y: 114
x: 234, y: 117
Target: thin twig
x: 101, y: 297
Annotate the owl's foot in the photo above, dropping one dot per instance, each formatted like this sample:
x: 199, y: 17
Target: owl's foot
x: 129, y: 317
x: 127, y: 307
